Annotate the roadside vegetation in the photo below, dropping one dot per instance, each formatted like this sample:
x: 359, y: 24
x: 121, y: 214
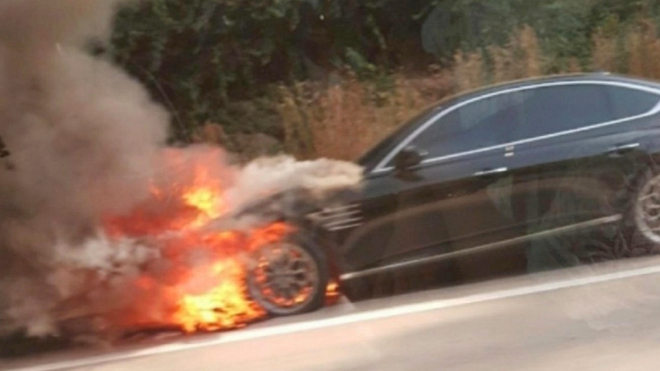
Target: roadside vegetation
x: 331, y: 77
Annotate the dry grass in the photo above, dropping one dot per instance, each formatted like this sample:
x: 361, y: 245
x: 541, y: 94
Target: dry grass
x: 469, y: 71
x: 520, y: 58
x: 644, y: 51
x: 349, y: 117
x: 633, y: 50
x: 343, y: 120
x: 528, y: 45
x: 573, y: 65
x: 605, y: 54
x: 295, y: 111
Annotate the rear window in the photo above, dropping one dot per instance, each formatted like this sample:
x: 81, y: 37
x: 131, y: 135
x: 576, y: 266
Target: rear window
x: 555, y: 109
x: 627, y: 102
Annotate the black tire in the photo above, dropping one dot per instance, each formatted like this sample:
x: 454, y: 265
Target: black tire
x: 626, y: 239
x: 311, y: 254
x: 644, y: 239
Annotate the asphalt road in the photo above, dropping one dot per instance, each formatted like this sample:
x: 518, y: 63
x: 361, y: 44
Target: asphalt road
x: 591, y: 318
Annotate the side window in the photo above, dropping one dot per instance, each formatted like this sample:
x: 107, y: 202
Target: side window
x: 554, y: 109
x: 530, y: 113
x: 627, y: 102
x: 486, y: 122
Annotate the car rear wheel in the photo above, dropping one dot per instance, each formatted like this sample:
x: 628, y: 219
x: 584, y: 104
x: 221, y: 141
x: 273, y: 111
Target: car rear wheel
x: 646, y: 208
x: 638, y: 233
x: 289, y: 278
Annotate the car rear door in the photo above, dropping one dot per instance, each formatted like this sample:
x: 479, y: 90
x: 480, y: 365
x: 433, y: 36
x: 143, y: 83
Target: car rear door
x: 570, y: 161
x: 454, y: 201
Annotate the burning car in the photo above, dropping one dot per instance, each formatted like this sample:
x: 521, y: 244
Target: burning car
x: 221, y: 250
x: 520, y: 177
x: 208, y: 249
x: 214, y: 247
x: 102, y: 220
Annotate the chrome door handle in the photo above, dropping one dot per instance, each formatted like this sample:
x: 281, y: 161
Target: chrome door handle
x: 625, y: 146
x: 491, y: 171
x: 622, y: 148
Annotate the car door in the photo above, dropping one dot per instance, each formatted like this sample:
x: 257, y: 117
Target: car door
x: 569, y: 161
x: 450, y: 202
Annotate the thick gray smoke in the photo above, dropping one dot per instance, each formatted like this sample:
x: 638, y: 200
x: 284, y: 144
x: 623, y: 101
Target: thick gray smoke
x: 82, y: 137
x: 85, y: 142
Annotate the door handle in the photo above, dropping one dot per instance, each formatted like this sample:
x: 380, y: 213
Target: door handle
x: 623, y: 148
x: 488, y: 172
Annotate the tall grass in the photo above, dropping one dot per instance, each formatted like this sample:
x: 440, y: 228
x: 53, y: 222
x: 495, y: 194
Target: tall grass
x: 644, y: 51
x: 345, y: 119
x: 607, y: 47
x: 350, y: 116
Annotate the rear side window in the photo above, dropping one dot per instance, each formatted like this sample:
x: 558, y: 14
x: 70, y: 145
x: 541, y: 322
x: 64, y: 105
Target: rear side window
x: 627, y: 102
x: 553, y: 109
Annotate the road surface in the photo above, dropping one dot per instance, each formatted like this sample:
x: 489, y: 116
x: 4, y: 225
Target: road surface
x: 590, y: 318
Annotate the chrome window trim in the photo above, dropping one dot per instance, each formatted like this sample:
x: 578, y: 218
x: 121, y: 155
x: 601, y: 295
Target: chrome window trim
x: 382, y: 166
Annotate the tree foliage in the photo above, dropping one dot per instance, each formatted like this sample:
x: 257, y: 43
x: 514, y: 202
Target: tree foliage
x: 200, y: 57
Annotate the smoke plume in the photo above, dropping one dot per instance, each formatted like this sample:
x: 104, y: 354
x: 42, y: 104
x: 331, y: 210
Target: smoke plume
x: 86, y: 141
x: 82, y: 137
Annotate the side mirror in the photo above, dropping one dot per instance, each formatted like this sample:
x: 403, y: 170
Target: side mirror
x: 406, y: 159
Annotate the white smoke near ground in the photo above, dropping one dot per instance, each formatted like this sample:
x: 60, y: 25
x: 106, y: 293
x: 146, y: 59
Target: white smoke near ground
x: 86, y: 140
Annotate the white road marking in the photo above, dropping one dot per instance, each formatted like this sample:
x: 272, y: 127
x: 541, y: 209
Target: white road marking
x: 378, y: 314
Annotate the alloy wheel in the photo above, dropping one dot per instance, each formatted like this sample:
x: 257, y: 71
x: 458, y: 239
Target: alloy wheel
x: 647, y: 210
x: 285, y: 279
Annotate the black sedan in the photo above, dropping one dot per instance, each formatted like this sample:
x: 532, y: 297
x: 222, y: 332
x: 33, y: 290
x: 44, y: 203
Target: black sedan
x: 519, y: 177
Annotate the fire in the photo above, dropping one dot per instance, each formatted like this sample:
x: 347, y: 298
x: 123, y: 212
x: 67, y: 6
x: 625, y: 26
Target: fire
x: 202, y: 283
x: 224, y: 302
x: 224, y: 306
x: 205, y: 200
x: 332, y: 293
x: 206, y: 197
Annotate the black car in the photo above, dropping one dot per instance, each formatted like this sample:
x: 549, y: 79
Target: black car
x: 520, y: 177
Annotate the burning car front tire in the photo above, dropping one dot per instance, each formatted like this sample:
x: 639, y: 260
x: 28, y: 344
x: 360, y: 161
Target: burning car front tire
x: 289, y: 277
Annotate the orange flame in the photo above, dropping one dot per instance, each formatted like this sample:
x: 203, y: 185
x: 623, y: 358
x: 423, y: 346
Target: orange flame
x: 332, y: 293
x: 224, y: 306
x: 203, y: 285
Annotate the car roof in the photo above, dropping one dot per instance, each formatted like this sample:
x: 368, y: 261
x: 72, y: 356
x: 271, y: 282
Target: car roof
x: 595, y: 76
